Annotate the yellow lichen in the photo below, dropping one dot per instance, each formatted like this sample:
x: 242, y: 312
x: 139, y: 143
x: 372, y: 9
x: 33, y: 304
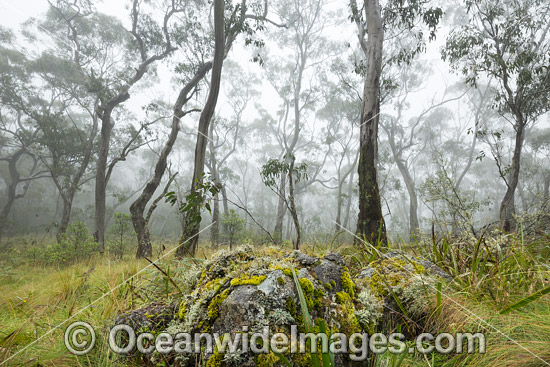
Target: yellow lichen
x: 343, y: 298
x: 215, y: 360
x: 266, y: 360
x: 347, y: 283
x: 214, y: 306
x: 183, y: 310
x: 248, y: 280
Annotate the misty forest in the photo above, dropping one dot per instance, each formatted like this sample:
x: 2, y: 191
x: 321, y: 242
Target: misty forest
x: 197, y: 166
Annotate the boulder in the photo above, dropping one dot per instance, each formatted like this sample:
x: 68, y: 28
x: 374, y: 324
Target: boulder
x: 244, y: 291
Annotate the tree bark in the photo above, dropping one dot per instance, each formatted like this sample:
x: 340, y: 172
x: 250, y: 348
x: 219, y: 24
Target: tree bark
x: 370, y: 222
x: 66, y: 216
x: 546, y: 191
x: 292, y: 205
x: 281, y: 210
x: 348, y: 204
x: 101, y: 180
x: 215, y: 229
x: 138, y: 206
x: 507, y: 206
x: 192, y: 226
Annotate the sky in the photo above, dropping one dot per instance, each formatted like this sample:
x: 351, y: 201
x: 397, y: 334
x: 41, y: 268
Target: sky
x: 13, y: 13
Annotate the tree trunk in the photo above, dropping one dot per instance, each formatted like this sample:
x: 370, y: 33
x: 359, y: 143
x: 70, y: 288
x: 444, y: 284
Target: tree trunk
x: 507, y: 207
x: 370, y: 222
x: 192, y: 226
x: 215, y: 229
x: 546, y: 192
x: 66, y: 217
x: 348, y: 204
x: 414, y: 225
x: 292, y: 205
x: 101, y: 178
x: 339, y: 208
x: 138, y: 206
x: 281, y: 210
x: 11, y: 190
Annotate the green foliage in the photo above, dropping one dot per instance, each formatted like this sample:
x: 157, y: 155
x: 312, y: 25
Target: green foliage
x: 234, y: 226
x: 75, y: 245
x: 204, y: 190
x: 501, y: 40
x: 458, y: 206
x: 527, y: 300
x: 271, y: 171
x: 121, y: 235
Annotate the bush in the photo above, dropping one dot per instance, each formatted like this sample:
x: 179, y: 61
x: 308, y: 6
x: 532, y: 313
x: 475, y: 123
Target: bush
x: 120, y: 235
x: 234, y: 227
x: 75, y: 245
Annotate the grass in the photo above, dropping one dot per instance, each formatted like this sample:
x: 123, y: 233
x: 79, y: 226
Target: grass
x: 34, y: 299
x: 496, y: 273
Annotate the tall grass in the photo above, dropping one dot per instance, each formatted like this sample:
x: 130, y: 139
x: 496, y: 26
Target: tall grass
x: 35, y: 299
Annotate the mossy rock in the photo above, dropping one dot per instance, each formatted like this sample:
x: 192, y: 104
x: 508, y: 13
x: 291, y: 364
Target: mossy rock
x: 245, y: 290
x: 402, y: 283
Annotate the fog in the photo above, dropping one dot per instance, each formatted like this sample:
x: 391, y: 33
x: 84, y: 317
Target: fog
x: 291, y: 92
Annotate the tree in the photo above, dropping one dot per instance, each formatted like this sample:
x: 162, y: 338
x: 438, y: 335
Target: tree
x: 400, y: 16
x: 507, y: 41
x: 341, y: 113
x: 289, y: 173
x: 294, y: 78
x: 234, y: 226
x: 403, y: 137
x: 225, y: 33
x: 17, y: 136
x: 95, y: 38
x: 227, y: 135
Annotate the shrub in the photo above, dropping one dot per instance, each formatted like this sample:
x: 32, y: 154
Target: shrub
x: 75, y: 245
x: 120, y: 235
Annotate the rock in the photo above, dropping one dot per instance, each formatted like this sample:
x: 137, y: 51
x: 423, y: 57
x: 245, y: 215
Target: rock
x: 152, y: 317
x: 239, y: 292
x: 401, y: 276
x: 244, y: 291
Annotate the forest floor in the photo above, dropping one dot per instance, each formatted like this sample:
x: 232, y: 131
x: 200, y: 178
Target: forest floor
x: 38, y: 302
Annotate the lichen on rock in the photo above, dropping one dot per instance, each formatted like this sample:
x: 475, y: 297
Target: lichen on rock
x: 246, y: 290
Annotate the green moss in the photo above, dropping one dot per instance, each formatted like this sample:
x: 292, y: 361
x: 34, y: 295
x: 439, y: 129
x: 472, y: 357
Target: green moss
x: 307, y: 285
x: 343, y: 298
x: 286, y: 270
x: 347, y: 283
x: 214, y: 306
x: 391, y: 272
x: 183, y: 310
x: 281, y: 280
x: 215, y: 360
x: 327, y: 286
x: 291, y: 307
x: 318, y: 293
x: 346, y: 314
x: 266, y: 360
x: 248, y: 280
x: 333, y: 283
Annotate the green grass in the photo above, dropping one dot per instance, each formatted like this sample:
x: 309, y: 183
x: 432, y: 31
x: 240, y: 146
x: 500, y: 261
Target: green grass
x: 496, y: 273
x: 34, y: 299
